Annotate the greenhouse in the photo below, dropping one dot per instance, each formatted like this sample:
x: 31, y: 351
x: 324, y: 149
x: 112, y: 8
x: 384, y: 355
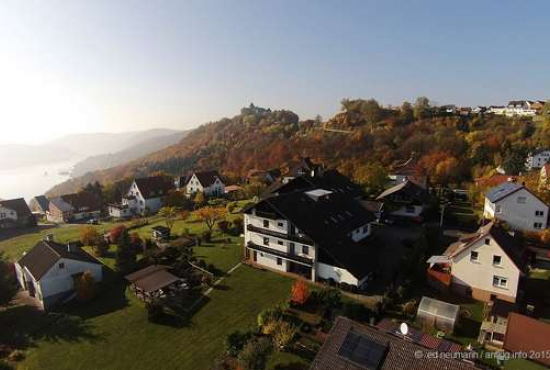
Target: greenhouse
x: 437, y: 314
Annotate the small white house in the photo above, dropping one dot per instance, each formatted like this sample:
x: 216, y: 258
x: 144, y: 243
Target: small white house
x: 485, y: 265
x: 209, y: 183
x: 49, y: 271
x: 517, y: 206
x: 144, y: 197
x: 537, y: 159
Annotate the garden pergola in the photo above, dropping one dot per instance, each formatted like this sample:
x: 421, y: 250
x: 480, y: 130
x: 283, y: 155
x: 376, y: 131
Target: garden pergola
x: 148, y: 283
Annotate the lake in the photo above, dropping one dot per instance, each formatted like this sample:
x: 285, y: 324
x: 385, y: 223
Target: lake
x: 28, y: 182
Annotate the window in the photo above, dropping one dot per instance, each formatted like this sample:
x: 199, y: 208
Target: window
x: 280, y: 224
x: 280, y: 242
x: 266, y: 223
x: 497, y: 260
x: 279, y: 261
x: 474, y: 256
x: 409, y: 209
x: 366, y: 228
x: 487, y: 241
x: 498, y: 208
x: 266, y: 241
x: 537, y: 225
x: 61, y: 265
x: 500, y: 282
x: 522, y: 200
x: 539, y: 213
x: 305, y: 249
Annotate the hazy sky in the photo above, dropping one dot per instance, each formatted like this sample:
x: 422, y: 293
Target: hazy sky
x: 72, y: 66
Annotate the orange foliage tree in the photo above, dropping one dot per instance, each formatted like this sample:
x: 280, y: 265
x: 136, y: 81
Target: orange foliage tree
x: 299, y: 293
x: 210, y: 215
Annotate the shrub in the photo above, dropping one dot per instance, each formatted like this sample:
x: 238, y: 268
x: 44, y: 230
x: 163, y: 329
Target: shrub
x: 118, y: 235
x: 272, y: 314
x: 235, y: 342
x: 85, y: 287
x: 254, y: 354
x: 409, y: 308
x: 230, y: 207
x: 207, y: 236
x: 223, y: 226
x: 155, y: 310
x: 299, y: 293
x: 238, y: 225
x: 329, y: 298
x: 283, y: 334
x: 89, y: 236
x: 101, y: 249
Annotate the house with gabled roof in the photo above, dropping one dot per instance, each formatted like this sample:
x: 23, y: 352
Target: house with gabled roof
x: 406, y: 200
x: 39, y: 205
x: 209, y: 183
x: 49, y: 270
x: 143, y: 197
x: 486, y: 265
x: 15, y: 213
x: 74, y: 207
x: 317, y: 233
x: 520, y: 208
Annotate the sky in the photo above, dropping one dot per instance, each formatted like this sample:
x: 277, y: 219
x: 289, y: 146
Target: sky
x: 113, y: 66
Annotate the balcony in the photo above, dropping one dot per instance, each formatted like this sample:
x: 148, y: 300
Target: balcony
x: 275, y: 252
x: 295, y: 238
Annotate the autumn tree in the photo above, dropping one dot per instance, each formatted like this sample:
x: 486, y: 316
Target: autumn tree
x: 85, y: 286
x: 8, y: 282
x: 199, y: 199
x: 421, y: 108
x: 89, y: 236
x: 373, y: 177
x: 118, y: 234
x: 406, y: 114
x: 210, y: 215
x: 299, y: 292
x: 169, y: 214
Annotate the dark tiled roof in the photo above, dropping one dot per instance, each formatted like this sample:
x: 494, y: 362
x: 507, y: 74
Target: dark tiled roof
x: 152, y: 278
x: 18, y: 205
x: 409, y: 189
x: 400, y: 354
x: 40, y: 259
x: 525, y: 334
x: 153, y: 187
x: 207, y: 178
x: 42, y: 202
x: 77, y: 201
x: 329, y: 180
x: 329, y: 222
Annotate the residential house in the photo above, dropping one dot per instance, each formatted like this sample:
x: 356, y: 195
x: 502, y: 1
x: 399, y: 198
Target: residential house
x: 15, y: 213
x: 49, y: 270
x: 353, y: 346
x: 499, y: 110
x: 39, y: 205
x: 486, y: 265
x: 209, y: 183
x: 406, y: 200
x: 314, y: 232
x: 479, y: 110
x: 144, y: 197
x: 537, y: 159
x: 527, y: 108
x: 528, y: 335
x: 160, y: 233
x: 495, y: 322
x: 74, y: 207
x: 265, y: 176
x: 517, y: 206
x: 402, y: 171
x: 304, y: 166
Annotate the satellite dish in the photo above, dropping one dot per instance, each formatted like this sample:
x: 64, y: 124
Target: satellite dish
x: 404, y: 329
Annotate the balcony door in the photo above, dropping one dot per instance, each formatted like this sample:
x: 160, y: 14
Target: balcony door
x: 292, y: 248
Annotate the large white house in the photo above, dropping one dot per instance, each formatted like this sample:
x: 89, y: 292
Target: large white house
x: 485, y: 265
x: 49, y: 271
x: 537, y: 159
x: 517, y: 206
x: 144, y: 197
x: 15, y: 213
x: 317, y: 233
x: 209, y: 183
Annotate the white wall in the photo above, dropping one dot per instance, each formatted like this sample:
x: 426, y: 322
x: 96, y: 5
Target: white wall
x: 280, y: 225
x: 339, y: 275
x: 270, y: 261
x: 361, y: 233
x: 402, y: 212
x: 8, y: 213
x: 480, y: 274
x: 58, y: 280
x: 538, y: 160
x: 519, y: 216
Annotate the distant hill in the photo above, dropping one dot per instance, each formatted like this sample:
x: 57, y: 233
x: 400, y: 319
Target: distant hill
x: 16, y: 156
x: 149, y: 145
x: 450, y: 148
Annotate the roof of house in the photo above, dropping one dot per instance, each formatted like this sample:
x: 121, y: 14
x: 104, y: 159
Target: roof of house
x: 207, y: 178
x: 405, y: 168
x: 329, y: 180
x: 352, y: 346
x: 328, y: 218
x: 525, y: 334
x: 154, y: 186
x: 495, y: 180
x: 503, y: 190
x: 152, y: 278
x: 18, y: 205
x: 42, y: 202
x: 507, y: 243
x: 410, y: 189
x: 45, y: 254
x: 77, y: 201
x: 302, y: 164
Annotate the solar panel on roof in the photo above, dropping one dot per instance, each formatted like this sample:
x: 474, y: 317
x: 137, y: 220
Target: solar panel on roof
x: 363, y: 351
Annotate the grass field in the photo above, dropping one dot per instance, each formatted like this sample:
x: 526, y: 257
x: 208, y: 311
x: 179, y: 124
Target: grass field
x: 119, y: 338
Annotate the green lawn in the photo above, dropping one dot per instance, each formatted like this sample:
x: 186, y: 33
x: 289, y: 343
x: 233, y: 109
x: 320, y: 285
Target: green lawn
x: 520, y: 364
x: 119, y: 337
x: 539, y: 274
